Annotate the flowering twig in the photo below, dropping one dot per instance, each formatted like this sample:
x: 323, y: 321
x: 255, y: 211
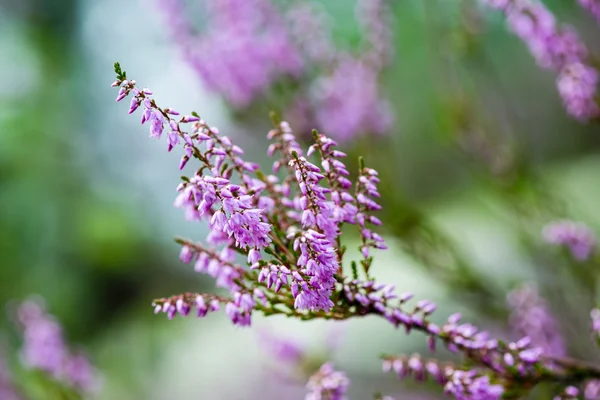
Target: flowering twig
x: 293, y: 249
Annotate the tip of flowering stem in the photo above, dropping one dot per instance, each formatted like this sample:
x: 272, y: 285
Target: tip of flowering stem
x: 120, y: 73
x: 315, y: 134
x: 361, y: 162
x: 195, y: 114
x: 295, y: 154
x: 354, y: 270
x: 260, y: 175
x: 179, y: 240
x: 274, y: 117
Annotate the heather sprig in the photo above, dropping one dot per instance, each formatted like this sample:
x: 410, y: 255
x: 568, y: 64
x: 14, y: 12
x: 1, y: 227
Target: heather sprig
x: 45, y: 349
x: 288, y: 229
x: 304, y: 255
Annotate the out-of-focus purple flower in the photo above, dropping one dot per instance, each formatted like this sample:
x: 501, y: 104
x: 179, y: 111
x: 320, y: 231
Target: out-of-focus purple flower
x: 291, y: 352
x: 469, y: 385
x: 557, y: 48
x: 592, y: 6
x: 568, y: 393
x: 327, y: 384
x: 530, y: 316
x: 347, y: 102
x: 577, y: 237
x: 577, y: 85
x: 44, y: 348
x: 592, y: 390
x: 80, y: 373
x: 308, y: 25
x: 284, y: 350
x: 243, y: 47
x: 373, y: 18
x: 43, y: 344
x: 595, y: 317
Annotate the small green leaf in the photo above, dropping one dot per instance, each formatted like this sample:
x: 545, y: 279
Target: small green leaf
x: 274, y: 118
x: 354, y: 270
x: 315, y: 134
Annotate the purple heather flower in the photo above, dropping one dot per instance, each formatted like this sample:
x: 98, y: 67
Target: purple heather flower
x: 203, y: 304
x: 219, y: 265
x: 532, y: 317
x: 285, y: 350
x: 577, y: 237
x: 327, y: 384
x: 469, y: 385
x: 45, y: 349
x: 592, y: 6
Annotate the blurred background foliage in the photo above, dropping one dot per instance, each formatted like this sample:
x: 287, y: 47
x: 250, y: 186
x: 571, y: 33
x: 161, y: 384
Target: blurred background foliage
x: 481, y: 156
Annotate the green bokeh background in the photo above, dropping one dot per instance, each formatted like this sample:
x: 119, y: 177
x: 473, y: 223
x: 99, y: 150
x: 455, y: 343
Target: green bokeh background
x: 86, y: 198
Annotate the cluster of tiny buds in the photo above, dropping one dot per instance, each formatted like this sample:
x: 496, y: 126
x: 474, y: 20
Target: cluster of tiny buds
x: 327, y: 383
x: 277, y: 275
x: 467, y: 385
x: 418, y: 368
x: 183, y: 305
x: 471, y: 385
